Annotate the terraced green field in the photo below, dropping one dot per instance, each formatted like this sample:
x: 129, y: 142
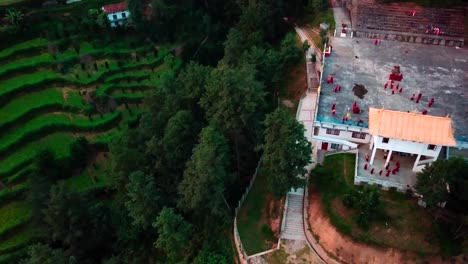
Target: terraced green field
x: 47, y: 100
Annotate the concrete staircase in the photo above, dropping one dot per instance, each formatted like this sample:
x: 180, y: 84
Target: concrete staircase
x: 294, y: 222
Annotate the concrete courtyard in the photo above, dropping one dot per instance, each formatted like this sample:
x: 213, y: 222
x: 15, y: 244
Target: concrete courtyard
x: 402, y: 179
x: 435, y: 71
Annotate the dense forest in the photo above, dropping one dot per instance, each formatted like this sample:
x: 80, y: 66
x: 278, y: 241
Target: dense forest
x: 180, y: 168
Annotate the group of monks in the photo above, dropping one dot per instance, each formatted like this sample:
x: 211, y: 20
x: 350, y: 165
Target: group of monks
x: 395, y: 169
x: 393, y: 87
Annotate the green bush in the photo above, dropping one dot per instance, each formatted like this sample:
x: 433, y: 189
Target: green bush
x: 348, y: 200
x: 368, y: 205
x: 267, y: 232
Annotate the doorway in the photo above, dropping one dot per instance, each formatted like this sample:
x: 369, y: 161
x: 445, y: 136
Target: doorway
x: 324, y: 145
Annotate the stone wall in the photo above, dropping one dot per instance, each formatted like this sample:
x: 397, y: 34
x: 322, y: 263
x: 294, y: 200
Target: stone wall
x: 408, y: 37
x: 390, y: 21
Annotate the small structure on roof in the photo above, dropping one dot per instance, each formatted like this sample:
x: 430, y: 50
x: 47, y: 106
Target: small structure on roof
x: 117, y: 14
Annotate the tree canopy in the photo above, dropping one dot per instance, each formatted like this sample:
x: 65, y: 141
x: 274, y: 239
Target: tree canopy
x: 286, y: 152
x: 143, y: 199
x: 233, y: 97
x: 174, y: 235
x: 206, y: 176
x: 441, y: 179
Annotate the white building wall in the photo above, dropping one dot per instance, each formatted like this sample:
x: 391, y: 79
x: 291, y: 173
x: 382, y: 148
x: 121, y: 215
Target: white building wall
x: 118, y: 17
x: 407, y: 146
x: 346, y: 133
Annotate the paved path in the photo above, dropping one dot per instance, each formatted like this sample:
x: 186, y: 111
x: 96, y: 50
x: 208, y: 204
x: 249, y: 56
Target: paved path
x: 341, y: 16
x: 303, y: 35
x: 294, y: 222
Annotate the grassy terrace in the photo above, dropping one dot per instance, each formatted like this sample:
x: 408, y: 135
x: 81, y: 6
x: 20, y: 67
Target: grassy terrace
x: 29, y: 105
x: 252, y: 220
x: 55, y: 122
x: 42, y: 107
x: 59, y: 143
x: 23, y: 47
x: 13, y: 215
x: 404, y: 226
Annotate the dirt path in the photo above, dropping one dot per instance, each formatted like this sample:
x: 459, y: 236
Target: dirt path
x: 348, y: 251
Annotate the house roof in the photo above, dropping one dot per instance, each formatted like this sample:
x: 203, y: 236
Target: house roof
x: 114, y: 8
x: 411, y: 126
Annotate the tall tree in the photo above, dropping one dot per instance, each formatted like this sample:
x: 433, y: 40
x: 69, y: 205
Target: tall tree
x: 174, y: 235
x: 137, y: 8
x: 442, y: 178
x: 143, y: 199
x: 66, y: 217
x: 127, y: 157
x: 192, y: 81
x: 234, y: 101
x: 290, y: 53
x: 79, y: 151
x: 208, y: 257
x: 286, y: 152
x: 206, y: 177
x: 179, y: 139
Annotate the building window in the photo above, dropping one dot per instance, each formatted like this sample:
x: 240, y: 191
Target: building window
x: 335, y: 146
x: 359, y: 135
x: 124, y: 15
x: 431, y: 147
x: 385, y: 140
x: 114, y: 17
x: 335, y: 132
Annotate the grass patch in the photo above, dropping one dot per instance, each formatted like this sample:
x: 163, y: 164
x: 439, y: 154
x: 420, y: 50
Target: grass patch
x: 316, y: 38
x: 93, y: 178
x: 405, y: 226
x: 252, y: 218
x: 278, y: 257
x: 21, y: 239
x: 9, y: 2
x: 13, y: 215
x: 59, y: 143
x: 12, y: 192
x: 32, y: 104
x: 295, y: 84
x: 23, y: 46
x: 315, y: 18
x: 53, y: 122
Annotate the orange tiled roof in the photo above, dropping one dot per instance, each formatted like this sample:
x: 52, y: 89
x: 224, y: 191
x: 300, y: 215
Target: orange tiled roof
x: 411, y: 126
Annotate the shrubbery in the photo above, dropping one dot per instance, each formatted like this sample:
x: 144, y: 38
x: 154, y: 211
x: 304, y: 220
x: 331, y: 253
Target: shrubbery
x: 366, y: 202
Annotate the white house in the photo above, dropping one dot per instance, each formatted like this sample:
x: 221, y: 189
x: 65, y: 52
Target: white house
x: 117, y: 14
x: 411, y: 133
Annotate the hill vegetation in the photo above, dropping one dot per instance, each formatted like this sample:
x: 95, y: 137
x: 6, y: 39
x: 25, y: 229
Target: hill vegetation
x: 133, y: 144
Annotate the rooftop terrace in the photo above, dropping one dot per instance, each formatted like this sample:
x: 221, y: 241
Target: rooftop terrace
x: 435, y: 71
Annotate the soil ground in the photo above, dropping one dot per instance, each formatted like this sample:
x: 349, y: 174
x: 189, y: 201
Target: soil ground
x: 348, y: 251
